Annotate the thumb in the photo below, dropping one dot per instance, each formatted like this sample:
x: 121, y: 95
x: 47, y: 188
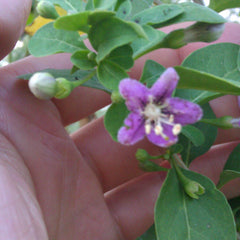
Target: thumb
x: 13, y: 16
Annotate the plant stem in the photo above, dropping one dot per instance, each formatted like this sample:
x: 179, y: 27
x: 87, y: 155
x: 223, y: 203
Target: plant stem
x: 83, y: 80
x: 179, y: 161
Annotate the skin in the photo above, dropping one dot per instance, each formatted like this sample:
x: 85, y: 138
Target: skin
x: 55, y: 186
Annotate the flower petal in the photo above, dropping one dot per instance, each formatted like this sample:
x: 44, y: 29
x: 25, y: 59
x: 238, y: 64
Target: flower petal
x: 184, y: 112
x: 133, y: 131
x: 159, y: 140
x: 135, y: 93
x: 165, y: 85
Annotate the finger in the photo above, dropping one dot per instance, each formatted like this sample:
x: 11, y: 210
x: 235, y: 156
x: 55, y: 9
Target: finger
x: 112, y: 162
x: 132, y: 204
x: 13, y: 16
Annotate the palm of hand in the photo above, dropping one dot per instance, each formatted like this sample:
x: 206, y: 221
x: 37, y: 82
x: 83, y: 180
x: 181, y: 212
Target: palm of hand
x: 42, y: 170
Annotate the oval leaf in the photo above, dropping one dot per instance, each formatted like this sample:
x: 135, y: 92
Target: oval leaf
x: 81, y: 60
x: 48, y: 40
x: 158, y: 14
x: 151, y: 72
x: 194, y: 12
x: 194, y: 135
x: 110, y: 74
x: 190, y: 152
x: 114, y: 118
x: 209, y: 217
x: 193, y: 79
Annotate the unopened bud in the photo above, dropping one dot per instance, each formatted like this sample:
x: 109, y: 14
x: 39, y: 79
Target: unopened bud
x: 142, y: 155
x: 194, y: 189
x: 198, y: 32
x: 47, y: 10
x: 203, y: 32
x: 43, y: 85
x: 64, y: 88
x: 116, y: 97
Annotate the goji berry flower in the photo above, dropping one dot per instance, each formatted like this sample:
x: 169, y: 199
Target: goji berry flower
x: 154, y: 112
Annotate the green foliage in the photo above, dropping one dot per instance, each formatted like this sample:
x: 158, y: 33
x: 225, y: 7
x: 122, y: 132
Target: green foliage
x: 81, y: 21
x: 214, y: 62
x: 151, y: 72
x: 195, y: 12
x: 110, y: 74
x: 69, y: 5
x: 144, y: 45
x: 193, y: 79
x: 158, y: 14
x: 177, y: 216
x: 190, y: 150
x: 231, y: 169
x: 81, y: 60
x: 122, y: 56
x: 220, y: 5
x: 124, y: 10
x: 114, y: 118
x: 47, y: 40
x: 107, y: 35
x: 194, y: 135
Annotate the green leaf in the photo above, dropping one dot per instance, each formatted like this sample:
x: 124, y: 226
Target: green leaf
x: 81, y: 21
x: 140, y: 5
x: 141, y: 46
x: 221, y: 60
x: 149, y: 234
x: 77, y: 75
x: 220, y: 5
x: 82, y: 61
x: 115, y: 117
x: 48, y: 40
x: 104, y: 4
x: 122, y: 56
x: 194, y: 12
x: 197, y: 96
x: 231, y: 169
x: 193, y: 79
x: 151, y: 72
x: 107, y: 35
x: 158, y: 14
x: 124, y: 9
x: 110, y: 74
x: 69, y: 5
x: 208, y: 218
x: 190, y: 152
x: 194, y: 135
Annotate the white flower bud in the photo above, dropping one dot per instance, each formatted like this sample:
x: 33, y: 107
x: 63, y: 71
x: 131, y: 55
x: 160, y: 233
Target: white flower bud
x: 43, y: 85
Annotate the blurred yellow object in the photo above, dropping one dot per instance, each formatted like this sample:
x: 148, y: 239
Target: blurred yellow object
x: 40, y: 21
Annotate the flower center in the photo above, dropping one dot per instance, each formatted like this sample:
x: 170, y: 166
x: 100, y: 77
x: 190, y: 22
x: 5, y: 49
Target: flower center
x: 154, y: 118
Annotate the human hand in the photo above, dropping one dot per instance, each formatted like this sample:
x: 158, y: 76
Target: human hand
x: 84, y: 186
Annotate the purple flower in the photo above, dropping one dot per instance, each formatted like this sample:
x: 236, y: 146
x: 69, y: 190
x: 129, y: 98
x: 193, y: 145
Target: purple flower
x: 154, y: 112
